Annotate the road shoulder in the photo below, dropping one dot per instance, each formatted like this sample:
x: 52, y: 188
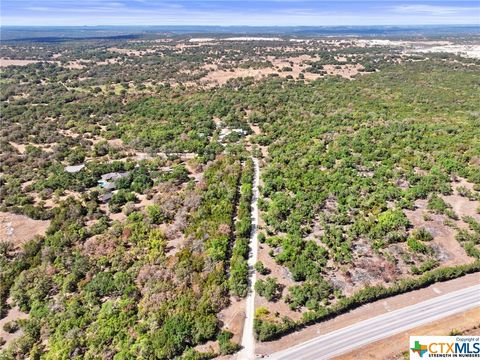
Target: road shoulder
x: 467, y: 323
x: 368, y: 311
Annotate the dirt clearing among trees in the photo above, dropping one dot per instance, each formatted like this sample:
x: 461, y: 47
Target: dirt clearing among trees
x: 18, y: 229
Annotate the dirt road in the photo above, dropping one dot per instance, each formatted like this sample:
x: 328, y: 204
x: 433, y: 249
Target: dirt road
x: 248, y: 338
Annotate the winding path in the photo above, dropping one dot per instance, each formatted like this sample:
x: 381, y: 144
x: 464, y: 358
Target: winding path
x: 248, y: 338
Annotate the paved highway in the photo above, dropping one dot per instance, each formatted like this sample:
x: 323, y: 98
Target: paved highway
x: 346, y: 339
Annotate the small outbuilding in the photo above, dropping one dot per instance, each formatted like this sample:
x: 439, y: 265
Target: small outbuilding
x: 72, y: 169
x: 107, y: 181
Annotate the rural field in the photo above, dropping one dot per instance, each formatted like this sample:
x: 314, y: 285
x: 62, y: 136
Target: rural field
x: 202, y: 194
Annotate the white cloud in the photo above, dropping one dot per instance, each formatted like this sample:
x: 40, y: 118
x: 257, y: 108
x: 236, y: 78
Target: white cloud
x: 434, y: 10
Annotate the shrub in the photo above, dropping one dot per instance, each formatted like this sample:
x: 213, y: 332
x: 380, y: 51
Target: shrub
x: 422, y: 234
x: 472, y: 223
x: 437, y: 205
x: 451, y: 214
x: 155, y: 214
x: 455, y: 332
x: 261, y: 269
x: 261, y: 237
x: 267, y: 330
x: 425, y: 266
x: 389, y: 221
x: 226, y: 345
x: 310, y: 294
x: 417, y: 246
x: 10, y: 327
x: 261, y: 312
x: 472, y: 250
x: 268, y: 288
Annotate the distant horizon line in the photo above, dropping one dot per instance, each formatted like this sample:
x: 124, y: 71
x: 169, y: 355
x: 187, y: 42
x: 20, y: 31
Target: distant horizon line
x: 250, y: 26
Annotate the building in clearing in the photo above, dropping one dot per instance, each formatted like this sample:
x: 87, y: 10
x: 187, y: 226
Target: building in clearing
x: 105, y: 197
x: 108, y: 180
x: 74, y: 168
x: 225, y: 132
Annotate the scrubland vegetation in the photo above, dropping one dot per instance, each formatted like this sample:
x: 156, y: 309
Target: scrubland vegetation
x: 370, y: 187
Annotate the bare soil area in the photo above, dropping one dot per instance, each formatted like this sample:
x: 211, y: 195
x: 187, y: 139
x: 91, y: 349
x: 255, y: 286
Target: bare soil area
x: 233, y: 317
x: 77, y: 64
x: 19, y: 147
x: 221, y: 77
x: 9, y: 62
x: 296, y: 63
x: 347, y: 71
x: 13, y: 315
x: 18, y: 229
x: 460, y: 204
x: 125, y: 51
x: 412, y: 47
x: 449, y: 251
x: 283, y: 278
x: 143, y: 202
x: 370, y: 269
x: 282, y: 67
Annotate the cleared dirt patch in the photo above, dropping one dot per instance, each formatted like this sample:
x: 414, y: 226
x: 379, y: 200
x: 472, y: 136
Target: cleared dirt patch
x: 233, y: 317
x: 75, y: 65
x: 347, y: 71
x: 19, y: 147
x: 18, y: 229
x: 116, y: 143
x: 221, y: 77
x: 283, y: 278
x: 296, y: 63
x: 143, y: 202
x: 292, y: 66
x: 369, y: 270
x: 131, y: 52
x: 449, y: 250
x: 53, y: 201
x: 9, y: 62
x: 14, y: 314
x: 460, y: 204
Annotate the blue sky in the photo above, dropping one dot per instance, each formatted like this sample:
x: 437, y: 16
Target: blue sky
x: 233, y: 12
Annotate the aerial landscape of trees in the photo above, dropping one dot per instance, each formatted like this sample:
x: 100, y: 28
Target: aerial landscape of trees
x: 143, y: 172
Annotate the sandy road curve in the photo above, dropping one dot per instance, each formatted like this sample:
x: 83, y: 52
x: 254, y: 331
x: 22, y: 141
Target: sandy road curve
x: 364, y: 332
x: 248, y: 338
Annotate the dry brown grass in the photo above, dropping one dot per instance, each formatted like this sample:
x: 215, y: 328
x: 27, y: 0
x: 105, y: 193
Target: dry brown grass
x: 233, y: 318
x: 347, y: 71
x: 14, y: 314
x: 449, y: 250
x: 9, y: 62
x: 19, y: 229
